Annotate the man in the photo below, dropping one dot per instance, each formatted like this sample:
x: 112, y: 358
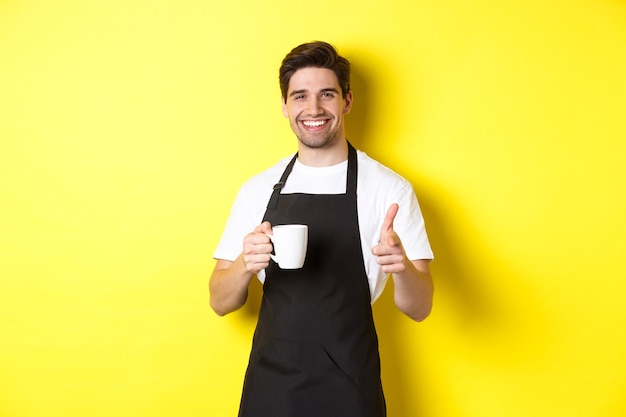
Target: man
x: 315, y: 349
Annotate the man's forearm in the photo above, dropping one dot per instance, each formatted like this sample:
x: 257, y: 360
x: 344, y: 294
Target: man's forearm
x: 228, y: 286
x: 413, y: 290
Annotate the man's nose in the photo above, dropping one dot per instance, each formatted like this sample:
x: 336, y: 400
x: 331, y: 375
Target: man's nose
x: 314, y: 108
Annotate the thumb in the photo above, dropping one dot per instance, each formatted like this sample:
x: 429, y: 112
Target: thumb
x: 265, y: 227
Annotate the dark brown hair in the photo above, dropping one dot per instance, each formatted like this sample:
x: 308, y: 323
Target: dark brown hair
x: 318, y: 55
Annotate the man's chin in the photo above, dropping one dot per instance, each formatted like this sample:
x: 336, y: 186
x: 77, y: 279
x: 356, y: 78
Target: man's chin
x: 316, y: 142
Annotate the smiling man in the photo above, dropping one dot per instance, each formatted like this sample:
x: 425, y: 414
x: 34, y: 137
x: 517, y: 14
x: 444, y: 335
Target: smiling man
x: 315, y: 349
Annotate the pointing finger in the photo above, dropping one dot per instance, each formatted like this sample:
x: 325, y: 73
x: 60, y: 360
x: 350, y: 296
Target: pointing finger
x: 391, y: 215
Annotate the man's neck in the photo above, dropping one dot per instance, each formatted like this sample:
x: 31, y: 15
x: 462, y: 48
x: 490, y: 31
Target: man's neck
x: 323, y: 157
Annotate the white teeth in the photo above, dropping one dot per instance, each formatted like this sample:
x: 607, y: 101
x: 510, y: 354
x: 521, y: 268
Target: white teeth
x: 314, y: 123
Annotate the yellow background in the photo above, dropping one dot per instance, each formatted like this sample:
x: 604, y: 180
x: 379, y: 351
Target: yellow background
x: 126, y: 128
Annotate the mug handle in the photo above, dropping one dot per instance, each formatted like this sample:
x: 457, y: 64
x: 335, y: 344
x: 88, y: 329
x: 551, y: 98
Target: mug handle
x: 272, y: 256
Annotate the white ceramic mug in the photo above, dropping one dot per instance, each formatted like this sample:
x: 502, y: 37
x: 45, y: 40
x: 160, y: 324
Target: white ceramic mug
x: 290, y: 243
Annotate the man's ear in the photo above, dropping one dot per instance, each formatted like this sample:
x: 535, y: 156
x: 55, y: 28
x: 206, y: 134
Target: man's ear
x: 348, y: 101
x: 284, y: 105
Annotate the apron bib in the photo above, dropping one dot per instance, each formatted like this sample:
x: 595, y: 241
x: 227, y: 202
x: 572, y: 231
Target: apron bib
x: 315, y: 349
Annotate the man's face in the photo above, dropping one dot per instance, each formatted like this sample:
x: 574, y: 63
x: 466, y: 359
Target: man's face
x: 315, y: 107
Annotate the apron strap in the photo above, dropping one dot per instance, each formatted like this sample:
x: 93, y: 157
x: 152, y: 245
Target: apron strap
x: 273, y: 203
x: 352, y: 170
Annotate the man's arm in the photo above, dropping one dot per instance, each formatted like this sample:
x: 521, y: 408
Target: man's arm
x: 228, y: 286
x: 413, y: 289
x: 413, y: 283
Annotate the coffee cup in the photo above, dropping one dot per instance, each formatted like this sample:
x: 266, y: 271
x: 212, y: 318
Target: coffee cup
x: 290, y: 243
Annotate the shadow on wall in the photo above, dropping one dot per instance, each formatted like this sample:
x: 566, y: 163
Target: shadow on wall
x: 405, y: 387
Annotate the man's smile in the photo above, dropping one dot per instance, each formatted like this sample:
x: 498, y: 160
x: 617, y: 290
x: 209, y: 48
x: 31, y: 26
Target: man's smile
x: 314, y: 123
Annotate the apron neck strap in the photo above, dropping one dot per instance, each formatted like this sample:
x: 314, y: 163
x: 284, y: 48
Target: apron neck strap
x: 350, y: 180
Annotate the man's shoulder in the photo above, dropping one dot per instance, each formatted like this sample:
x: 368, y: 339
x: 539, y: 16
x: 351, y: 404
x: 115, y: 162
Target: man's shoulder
x: 267, y: 177
x: 374, y: 169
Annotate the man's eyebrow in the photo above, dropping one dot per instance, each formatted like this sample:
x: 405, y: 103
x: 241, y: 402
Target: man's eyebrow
x: 296, y: 92
x: 323, y: 90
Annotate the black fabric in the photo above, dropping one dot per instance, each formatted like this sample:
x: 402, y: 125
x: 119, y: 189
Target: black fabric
x: 315, y: 349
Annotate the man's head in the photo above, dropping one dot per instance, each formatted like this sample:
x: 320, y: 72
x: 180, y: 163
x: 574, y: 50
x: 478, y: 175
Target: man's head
x: 315, y: 85
x: 318, y: 55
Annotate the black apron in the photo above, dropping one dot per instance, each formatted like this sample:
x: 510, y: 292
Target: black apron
x: 315, y: 349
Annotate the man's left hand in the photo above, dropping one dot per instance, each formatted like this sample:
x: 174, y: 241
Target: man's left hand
x: 389, y: 252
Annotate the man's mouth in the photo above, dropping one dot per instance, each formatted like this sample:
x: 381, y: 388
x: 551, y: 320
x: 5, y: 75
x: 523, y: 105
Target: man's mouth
x: 314, y: 123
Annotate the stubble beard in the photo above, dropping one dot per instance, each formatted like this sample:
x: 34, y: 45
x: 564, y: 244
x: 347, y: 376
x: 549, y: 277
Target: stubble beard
x: 317, y: 140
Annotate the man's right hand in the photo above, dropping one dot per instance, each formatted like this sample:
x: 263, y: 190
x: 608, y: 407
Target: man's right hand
x: 257, y: 248
x: 229, y: 281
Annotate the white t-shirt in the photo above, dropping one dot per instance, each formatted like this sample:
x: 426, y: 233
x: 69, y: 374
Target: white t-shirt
x: 377, y: 188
